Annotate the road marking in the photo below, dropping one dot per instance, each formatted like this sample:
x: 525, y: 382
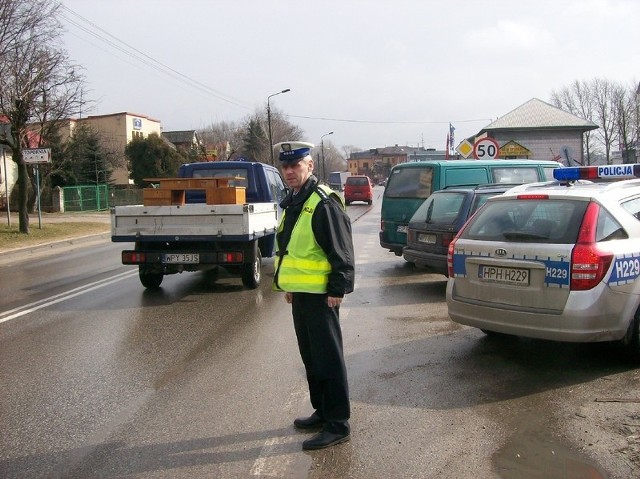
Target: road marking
x: 273, y: 460
x: 58, y: 298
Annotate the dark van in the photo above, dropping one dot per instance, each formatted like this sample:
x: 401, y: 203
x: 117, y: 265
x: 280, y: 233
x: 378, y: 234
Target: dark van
x: 409, y: 184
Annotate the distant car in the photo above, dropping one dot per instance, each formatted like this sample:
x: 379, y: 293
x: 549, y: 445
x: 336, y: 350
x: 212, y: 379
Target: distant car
x: 553, y: 261
x: 436, y: 222
x: 358, y: 188
x: 382, y: 182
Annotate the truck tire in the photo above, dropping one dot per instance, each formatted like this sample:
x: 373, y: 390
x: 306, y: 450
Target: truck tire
x: 252, y: 273
x: 149, y: 279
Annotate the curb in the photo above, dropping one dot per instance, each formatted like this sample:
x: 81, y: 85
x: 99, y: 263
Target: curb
x: 53, y: 245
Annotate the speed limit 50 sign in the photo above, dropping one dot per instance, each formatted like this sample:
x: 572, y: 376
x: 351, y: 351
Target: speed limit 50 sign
x: 486, y: 149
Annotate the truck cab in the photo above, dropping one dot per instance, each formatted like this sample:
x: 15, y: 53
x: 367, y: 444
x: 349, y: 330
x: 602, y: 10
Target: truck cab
x: 263, y: 182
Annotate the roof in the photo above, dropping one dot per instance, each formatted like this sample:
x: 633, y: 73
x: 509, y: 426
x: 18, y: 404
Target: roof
x: 474, y: 163
x: 128, y: 113
x: 397, y: 150
x: 185, y: 136
x: 538, y: 114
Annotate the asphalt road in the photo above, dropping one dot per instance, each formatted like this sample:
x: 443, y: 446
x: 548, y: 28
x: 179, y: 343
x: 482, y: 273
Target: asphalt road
x: 101, y: 378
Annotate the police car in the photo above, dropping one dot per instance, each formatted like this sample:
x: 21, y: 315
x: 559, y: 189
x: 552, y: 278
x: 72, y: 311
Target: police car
x: 556, y: 260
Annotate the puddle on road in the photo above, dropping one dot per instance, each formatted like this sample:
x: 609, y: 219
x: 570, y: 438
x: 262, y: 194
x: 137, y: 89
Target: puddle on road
x: 528, y: 456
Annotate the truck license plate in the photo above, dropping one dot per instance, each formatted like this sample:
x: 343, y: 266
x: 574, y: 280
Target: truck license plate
x: 181, y: 258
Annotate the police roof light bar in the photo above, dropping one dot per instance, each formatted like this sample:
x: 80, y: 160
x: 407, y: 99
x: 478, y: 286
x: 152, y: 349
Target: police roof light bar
x: 573, y: 173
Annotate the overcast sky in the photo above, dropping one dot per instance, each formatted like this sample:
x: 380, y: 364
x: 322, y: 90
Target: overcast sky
x: 376, y: 73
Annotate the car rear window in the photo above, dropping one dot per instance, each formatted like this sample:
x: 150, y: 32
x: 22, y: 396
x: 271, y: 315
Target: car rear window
x: 357, y: 181
x: 239, y: 175
x: 410, y: 183
x: 480, y: 199
x: 528, y: 221
x: 515, y: 175
x: 443, y: 208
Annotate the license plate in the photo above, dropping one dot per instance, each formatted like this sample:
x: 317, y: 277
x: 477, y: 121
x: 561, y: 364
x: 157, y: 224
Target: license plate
x: 181, y: 258
x: 499, y: 274
x: 402, y: 229
x: 426, y: 238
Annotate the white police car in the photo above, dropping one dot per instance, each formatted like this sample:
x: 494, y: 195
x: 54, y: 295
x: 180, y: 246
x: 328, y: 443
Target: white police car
x: 557, y: 260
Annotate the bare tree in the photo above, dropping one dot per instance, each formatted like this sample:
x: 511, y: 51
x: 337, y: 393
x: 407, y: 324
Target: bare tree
x: 39, y: 86
x: 348, y: 149
x: 282, y: 129
x: 578, y: 100
x: 222, y: 137
x: 603, y: 92
x: 334, y: 160
x: 626, y: 108
x: 237, y: 135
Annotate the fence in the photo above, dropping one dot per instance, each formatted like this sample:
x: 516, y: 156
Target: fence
x: 86, y: 198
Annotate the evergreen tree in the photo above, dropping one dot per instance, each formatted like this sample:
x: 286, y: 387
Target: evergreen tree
x: 152, y: 157
x: 85, y: 159
x: 254, y: 141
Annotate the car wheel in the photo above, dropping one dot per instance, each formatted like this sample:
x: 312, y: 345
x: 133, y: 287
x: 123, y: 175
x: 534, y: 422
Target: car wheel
x: 150, y: 279
x: 494, y: 334
x: 252, y: 273
x: 631, y: 340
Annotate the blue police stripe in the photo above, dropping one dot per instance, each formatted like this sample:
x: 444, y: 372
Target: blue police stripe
x: 625, y: 269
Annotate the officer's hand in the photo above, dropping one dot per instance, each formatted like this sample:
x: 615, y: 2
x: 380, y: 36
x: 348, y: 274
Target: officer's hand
x: 333, y: 301
x: 288, y: 297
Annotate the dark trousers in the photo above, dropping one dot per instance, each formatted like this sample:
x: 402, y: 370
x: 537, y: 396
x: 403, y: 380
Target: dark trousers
x: 320, y: 342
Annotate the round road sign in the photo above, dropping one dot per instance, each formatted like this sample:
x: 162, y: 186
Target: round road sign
x: 486, y: 149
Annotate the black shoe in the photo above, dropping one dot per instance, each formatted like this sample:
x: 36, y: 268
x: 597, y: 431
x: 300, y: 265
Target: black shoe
x: 325, y: 439
x: 312, y: 422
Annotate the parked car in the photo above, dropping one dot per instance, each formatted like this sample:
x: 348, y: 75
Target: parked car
x: 358, y: 188
x: 410, y: 184
x: 436, y: 222
x: 553, y: 261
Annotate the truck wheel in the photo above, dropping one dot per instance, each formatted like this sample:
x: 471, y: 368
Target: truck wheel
x: 252, y: 273
x: 149, y: 279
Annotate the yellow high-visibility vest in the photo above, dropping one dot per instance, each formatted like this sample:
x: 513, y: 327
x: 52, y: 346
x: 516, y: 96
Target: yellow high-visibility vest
x: 304, y: 268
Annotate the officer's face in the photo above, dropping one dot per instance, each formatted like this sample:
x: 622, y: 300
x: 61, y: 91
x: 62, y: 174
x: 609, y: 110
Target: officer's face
x: 295, y: 175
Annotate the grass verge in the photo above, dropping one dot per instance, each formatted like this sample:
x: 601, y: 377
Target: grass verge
x: 11, y: 238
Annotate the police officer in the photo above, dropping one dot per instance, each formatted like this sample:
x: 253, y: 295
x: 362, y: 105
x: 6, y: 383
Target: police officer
x: 314, y: 267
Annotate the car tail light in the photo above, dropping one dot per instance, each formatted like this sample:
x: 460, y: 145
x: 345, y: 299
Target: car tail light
x: 450, y: 258
x: 381, y: 225
x: 589, y: 264
x: 447, y: 238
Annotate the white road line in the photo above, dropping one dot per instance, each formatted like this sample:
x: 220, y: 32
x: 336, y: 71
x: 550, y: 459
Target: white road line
x: 58, y: 298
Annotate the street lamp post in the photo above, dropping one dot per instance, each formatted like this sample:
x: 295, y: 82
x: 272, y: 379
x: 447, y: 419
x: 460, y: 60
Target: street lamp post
x: 324, y: 171
x: 269, y: 122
